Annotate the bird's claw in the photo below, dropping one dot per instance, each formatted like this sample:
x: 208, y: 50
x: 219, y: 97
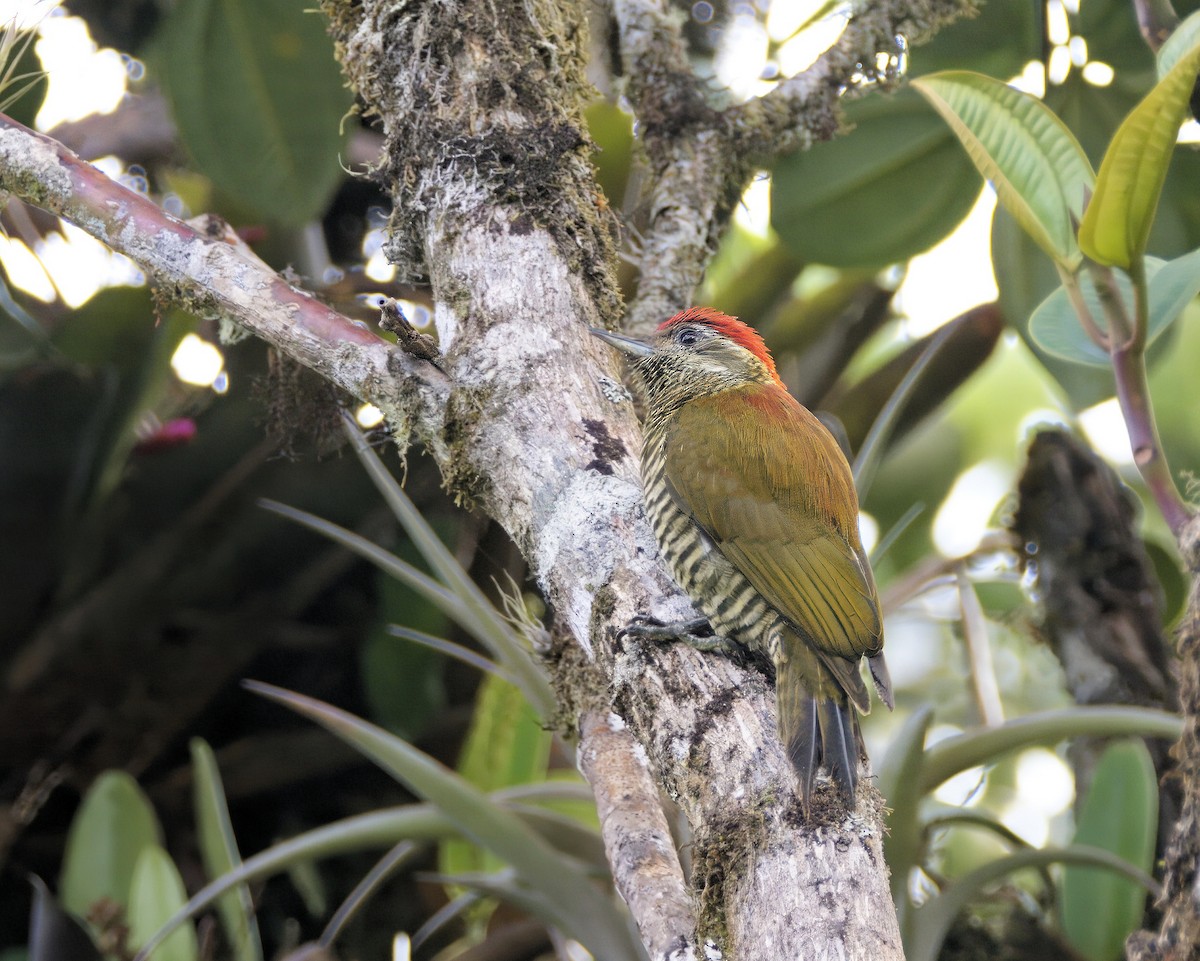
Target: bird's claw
x: 696, y: 632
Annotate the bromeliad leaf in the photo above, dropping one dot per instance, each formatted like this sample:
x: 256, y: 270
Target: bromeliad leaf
x: 571, y: 901
x: 948, y: 757
x: 1038, y: 168
x: 1116, y: 225
x: 219, y: 852
x: 932, y: 922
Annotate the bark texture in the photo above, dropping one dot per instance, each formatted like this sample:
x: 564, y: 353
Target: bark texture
x: 1178, y: 935
x: 486, y: 147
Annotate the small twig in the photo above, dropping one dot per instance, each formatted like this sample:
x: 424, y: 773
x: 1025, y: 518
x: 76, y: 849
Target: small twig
x: 210, y: 277
x: 1133, y: 394
x: 1127, y: 351
x: 1070, y: 284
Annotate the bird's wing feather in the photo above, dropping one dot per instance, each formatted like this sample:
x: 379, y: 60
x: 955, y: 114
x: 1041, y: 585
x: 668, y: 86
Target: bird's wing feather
x: 761, y: 475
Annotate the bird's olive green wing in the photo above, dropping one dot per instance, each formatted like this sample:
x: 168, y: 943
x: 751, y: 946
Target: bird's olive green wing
x: 768, y: 483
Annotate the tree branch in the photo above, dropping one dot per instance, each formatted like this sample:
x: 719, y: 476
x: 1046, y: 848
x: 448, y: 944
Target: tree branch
x: 637, y: 838
x: 213, y: 278
x: 701, y: 158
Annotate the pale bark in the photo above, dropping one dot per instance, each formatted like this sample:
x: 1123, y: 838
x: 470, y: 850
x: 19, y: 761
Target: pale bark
x: 496, y: 207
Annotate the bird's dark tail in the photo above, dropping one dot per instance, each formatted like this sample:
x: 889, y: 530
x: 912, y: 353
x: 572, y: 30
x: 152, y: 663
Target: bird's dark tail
x: 817, y: 728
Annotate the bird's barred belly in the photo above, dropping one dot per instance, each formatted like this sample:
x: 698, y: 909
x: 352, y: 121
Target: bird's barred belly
x: 721, y: 593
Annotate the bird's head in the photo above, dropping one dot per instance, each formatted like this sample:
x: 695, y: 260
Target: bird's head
x: 697, y: 352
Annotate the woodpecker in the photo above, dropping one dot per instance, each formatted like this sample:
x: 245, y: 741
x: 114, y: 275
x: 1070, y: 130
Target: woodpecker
x: 754, y: 508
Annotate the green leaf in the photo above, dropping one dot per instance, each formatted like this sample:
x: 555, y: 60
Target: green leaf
x: 955, y: 754
x: 999, y: 40
x: 893, y: 187
x: 376, y: 829
x: 474, y: 611
x: 1028, y: 278
x: 1116, y: 225
x: 24, y: 83
x: 218, y: 850
x: 1119, y: 814
x: 1039, y: 170
x: 1182, y: 39
x: 505, y: 746
x: 157, y: 893
x: 933, y: 920
x: 259, y: 98
x: 403, y: 682
x: 572, y: 902
x: 899, y: 783
x: 112, y: 827
x: 1055, y: 328
x: 611, y: 130
x: 504, y: 647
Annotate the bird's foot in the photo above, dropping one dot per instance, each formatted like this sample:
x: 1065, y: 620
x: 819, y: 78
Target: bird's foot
x: 696, y: 632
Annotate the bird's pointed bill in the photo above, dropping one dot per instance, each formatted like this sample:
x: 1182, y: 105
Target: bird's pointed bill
x: 627, y: 345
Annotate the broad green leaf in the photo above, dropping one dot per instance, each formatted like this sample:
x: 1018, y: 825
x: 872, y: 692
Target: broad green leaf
x: 573, y: 903
x: 259, y: 99
x: 218, y: 850
x: 933, y: 920
x: 891, y: 188
x: 1172, y: 286
x: 999, y: 40
x: 157, y: 893
x: 948, y: 757
x: 1182, y: 39
x: 112, y: 827
x: 1026, y: 277
x: 1119, y: 814
x: 1040, y: 172
x: 1116, y: 225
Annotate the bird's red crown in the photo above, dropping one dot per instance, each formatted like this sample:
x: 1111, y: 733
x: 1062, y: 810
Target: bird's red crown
x: 741, y: 334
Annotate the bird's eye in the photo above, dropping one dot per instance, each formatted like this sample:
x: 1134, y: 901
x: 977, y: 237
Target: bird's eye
x: 688, y: 337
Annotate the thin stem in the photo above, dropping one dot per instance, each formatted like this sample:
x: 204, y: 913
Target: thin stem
x: 1126, y: 350
x: 1070, y: 284
x: 1133, y: 394
x: 1120, y: 329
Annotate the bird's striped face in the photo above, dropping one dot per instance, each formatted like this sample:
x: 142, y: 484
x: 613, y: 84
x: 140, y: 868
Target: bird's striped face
x: 701, y: 352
